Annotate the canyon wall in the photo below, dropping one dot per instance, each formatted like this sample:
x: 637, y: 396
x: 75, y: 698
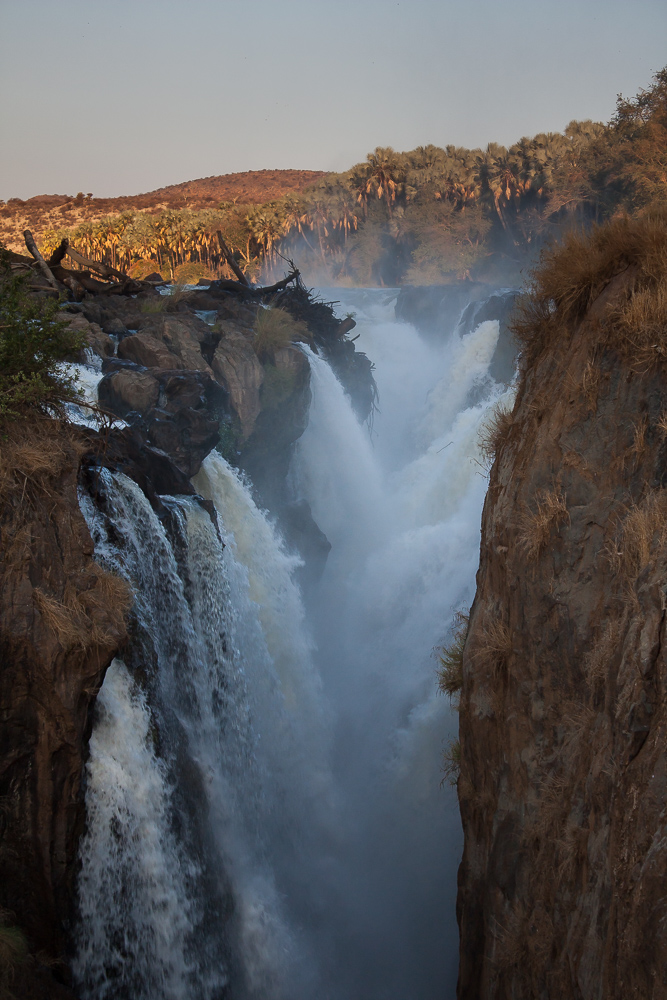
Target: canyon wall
x: 563, y: 725
x: 60, y: 624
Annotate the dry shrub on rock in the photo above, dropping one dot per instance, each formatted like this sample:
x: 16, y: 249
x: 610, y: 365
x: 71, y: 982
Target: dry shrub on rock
x: 536, y: 527
x: 495, y: 430
x: 628, y: 256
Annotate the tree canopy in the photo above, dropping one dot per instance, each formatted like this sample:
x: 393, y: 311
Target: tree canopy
x: 428, y: 215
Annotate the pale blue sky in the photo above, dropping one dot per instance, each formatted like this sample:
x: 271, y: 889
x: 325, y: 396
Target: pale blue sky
x: 126, y: 96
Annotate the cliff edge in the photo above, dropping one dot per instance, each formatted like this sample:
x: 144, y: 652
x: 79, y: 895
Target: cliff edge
x: 563, y: 725
x: 61, y: 621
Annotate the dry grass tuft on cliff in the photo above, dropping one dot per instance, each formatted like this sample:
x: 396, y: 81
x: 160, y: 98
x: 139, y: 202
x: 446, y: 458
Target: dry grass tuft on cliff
x: 623, y: 265
x: 450, y: 658
x: 94, y: 616
x: 495, y: 430
x: 536, y: 527
x: 598, y: 662
x: 275, y: 328
x: 643, y: 531
x: 32, y: 456
x: 493, y: 642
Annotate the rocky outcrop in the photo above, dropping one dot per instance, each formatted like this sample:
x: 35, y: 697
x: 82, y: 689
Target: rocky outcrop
x: 61, y: 622
x: 282, y: 418
x: 237, y: 367
x: 178, y: 412
x: 563, y: 714
x: 436, y: 310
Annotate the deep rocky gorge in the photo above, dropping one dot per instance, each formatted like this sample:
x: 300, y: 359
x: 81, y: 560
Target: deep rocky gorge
x: 563, y: 781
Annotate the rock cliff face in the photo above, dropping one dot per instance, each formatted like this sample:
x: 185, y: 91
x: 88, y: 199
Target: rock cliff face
x: 563, y: 726
x: 61, y: 621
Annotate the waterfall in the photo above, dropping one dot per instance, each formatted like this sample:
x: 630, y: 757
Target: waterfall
x: 130, y: 857
x: 220, y: 716
x: 264, y: 810
x: 403, y: 514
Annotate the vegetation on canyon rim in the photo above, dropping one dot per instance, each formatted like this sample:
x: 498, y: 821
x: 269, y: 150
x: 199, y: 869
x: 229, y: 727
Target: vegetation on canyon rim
x: 33, y: 343
x: 426, y: 216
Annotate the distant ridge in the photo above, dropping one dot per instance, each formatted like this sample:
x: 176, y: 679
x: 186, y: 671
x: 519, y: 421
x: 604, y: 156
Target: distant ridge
x: 247, y: 187
x: 59, y: 211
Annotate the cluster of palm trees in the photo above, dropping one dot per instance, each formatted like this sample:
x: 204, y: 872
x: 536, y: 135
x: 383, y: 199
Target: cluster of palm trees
x: 399, y: 200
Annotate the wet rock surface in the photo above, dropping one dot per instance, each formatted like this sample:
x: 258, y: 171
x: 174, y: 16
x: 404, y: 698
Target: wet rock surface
x: 253, y: 402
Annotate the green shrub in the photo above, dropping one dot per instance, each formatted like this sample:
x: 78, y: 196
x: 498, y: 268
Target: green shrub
x: 451, y: 762
x: 276, y: 328
x: 33, y: 344
x: 450, y: 671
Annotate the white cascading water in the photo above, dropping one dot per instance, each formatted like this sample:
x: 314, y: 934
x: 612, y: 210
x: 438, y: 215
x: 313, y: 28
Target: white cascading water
x: 265, y: 816
x: 403, y: 516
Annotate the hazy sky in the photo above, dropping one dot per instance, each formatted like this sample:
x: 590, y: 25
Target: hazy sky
x: 126, y: 96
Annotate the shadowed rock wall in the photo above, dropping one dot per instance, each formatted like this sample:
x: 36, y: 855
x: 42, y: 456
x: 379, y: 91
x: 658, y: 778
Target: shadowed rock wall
x: 563, y: 725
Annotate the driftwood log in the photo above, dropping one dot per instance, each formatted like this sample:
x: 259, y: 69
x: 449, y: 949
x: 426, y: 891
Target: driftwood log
x: 255, y: 291
x: 41, y: 263
x: 229, y: 257
x: 79, y: 282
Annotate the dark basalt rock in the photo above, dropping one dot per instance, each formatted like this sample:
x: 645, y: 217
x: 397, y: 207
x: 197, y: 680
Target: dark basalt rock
x: 302, y: 534
x: 178, y: 412
x: 126, y: 450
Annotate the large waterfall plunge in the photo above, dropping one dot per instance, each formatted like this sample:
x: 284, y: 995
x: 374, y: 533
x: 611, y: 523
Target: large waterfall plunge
x: 266, y: 818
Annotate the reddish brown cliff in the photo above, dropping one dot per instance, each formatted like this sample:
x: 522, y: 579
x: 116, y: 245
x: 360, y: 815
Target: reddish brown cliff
x: 563, y: 783
x: 61, y: 621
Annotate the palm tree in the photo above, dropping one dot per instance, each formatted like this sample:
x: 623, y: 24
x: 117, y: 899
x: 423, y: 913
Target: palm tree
x: 386, y: 174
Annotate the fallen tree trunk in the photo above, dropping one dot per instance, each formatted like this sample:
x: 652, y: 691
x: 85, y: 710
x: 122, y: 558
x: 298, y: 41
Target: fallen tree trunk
x: 230, y: 260
x: 104, y: 269
x: 255, y: 291
x: 41, y: 263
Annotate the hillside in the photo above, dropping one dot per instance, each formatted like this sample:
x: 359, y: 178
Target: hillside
x: 58, y: 211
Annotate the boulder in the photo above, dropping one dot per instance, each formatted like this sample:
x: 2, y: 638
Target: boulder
x: 95, y: 337
x: 114, y: 326
x: 146, y: 350
x: 176, y: 411
x: 237, y: 367
x: 182, y: 335
x: 285, y: 401
x: 126, y: 390
x: 186, y: 435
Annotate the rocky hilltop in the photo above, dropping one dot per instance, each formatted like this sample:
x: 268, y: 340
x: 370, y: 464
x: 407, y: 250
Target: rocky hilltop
x: 563, y: 726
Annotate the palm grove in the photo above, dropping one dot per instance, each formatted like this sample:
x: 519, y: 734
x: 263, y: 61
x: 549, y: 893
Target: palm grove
x: 426, y: 216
